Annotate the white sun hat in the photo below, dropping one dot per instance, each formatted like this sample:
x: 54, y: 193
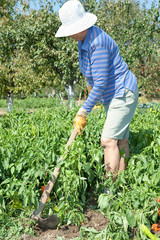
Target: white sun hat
x: 74, y: 19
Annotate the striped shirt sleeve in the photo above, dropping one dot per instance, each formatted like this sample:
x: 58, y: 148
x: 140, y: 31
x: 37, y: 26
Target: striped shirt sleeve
x: 99, y: 69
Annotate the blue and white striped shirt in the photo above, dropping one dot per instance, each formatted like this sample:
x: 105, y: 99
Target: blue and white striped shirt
x: 101, y: 63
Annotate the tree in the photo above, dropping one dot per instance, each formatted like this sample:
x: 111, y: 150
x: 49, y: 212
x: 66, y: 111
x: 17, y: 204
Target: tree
x: 136, y: 32
x: 7, y: 14
x: 33, y: 58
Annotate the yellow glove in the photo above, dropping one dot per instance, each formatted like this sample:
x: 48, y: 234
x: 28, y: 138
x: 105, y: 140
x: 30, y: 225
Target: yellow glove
x: 79, y: 123
x: 80, y: 120
x: 89, y: 88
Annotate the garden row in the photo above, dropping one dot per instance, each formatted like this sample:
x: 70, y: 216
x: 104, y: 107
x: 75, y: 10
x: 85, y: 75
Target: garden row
x: 31, y: 144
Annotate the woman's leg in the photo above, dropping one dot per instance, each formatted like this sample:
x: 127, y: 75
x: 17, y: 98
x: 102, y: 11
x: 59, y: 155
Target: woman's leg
x: 116, y: 152
x: 119, y: 113
x: 111, y: 154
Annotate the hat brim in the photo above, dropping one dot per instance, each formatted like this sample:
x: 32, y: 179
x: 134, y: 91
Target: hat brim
x: 86, y: 22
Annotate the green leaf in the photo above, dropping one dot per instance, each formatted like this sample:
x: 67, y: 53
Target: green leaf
x: 6, y: 181
x: 2, y: 202
x: 125, y: 223
x: 6, y: 163
x: 130, y: 218
x: 83, y: 178
x: 12, y: 170
x: 104, y: 200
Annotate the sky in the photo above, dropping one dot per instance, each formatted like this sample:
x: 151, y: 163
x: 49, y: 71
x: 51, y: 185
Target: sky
x: 35, y: 4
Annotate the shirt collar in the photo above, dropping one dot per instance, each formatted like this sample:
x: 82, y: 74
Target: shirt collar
x: 84, y: 45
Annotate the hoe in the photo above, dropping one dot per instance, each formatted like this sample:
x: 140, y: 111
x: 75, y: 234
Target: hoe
x: 52, y: 221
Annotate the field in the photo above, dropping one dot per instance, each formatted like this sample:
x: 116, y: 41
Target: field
x: 31, y: 144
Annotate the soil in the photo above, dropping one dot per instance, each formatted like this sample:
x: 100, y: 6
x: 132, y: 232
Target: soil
x: 93, y: 219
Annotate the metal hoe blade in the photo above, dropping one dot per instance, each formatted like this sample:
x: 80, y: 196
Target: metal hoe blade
x: 50, y: 222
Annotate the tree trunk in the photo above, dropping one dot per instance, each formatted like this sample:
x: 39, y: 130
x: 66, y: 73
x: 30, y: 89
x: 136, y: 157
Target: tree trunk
x: 9, y: 101
x: 70, y: 89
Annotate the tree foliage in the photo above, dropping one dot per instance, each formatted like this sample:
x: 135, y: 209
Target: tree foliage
x: 32, y: 58
x: 7, y: 8
x: 137, y: 32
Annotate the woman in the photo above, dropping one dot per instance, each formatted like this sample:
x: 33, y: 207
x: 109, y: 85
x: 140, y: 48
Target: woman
x: 108, y: 78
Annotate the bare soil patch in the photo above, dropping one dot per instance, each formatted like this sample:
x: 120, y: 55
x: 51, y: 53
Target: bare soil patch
x: 93, y: 219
